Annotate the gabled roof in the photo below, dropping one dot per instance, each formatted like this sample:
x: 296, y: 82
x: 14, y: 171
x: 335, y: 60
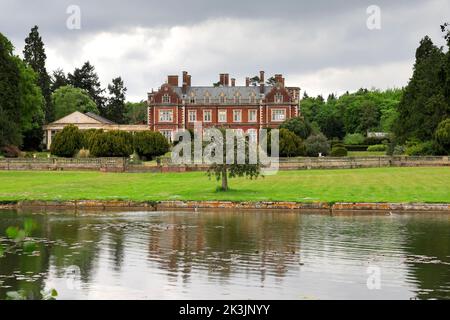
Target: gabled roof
x: 228, y: 91
x: 78, y: 117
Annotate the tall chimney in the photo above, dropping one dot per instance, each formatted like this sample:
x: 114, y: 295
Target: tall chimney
x: 172, y: 80
x: 189, y: 80
x: 279, y: 79
x: 261, y: 82
x: 233, y: 82
x: 247, y: 81
x: 227, y: 79
x: 222, y: 79
x: 185, y: 82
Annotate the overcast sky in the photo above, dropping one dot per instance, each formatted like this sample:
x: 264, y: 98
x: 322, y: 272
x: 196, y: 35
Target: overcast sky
x: 320, y: 46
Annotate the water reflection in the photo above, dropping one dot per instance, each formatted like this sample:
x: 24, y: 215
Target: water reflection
x: 240, y: 255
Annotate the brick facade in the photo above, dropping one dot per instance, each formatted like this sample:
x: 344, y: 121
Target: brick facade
x: 174, y: 107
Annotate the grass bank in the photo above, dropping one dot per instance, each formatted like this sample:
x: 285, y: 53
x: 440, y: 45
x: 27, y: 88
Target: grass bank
x: 429, y: 185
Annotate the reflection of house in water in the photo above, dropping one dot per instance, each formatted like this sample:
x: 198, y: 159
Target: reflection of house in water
x: 264, y: 244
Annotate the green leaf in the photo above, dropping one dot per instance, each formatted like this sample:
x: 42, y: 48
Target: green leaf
x: 29, y: 225
x: 12, y: 232
x: 29, y: 246
x: 54, y: 293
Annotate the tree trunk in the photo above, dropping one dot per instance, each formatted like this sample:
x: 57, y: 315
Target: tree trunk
x: 224, y: 179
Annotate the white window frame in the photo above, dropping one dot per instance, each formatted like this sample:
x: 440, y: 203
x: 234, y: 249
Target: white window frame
x: 204, y: 115
x: 223, y: 111
x: 275, y: 111
x: 167, y: 133
x: 166, y: 98
x: 160, y: 116
x: 278, y: 98
x: 256, y: 115
x: 192, y: 112
x: 235, y: 112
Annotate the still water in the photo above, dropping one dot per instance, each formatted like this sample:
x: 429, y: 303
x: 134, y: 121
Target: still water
x: 230, y: 255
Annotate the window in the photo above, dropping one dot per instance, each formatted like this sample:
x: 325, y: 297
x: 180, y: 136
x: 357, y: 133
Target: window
x: 222, y: 98
x: 252, y: 98
x: 237, y: 115
x: 207, y: 99
x: 222, y: 115
x: 251, y: 115
x: 166, y: 98
x: 167, y: 134
x: 237, y: 99
x: 192, y: 115
x: 207, y: 116
x: 278, y: 115
x: 192, y: 100
x: 278, y: 97
x: 252, y: 135
x: 165, y: 115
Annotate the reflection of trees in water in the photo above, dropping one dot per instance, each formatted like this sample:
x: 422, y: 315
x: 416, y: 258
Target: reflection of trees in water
x: 221, y: 244
x: 428, y: 244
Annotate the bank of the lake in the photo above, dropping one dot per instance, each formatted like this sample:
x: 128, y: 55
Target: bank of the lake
x: 374, y: 185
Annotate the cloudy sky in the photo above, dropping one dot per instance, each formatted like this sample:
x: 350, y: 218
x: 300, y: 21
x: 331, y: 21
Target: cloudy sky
x: 320, y: 46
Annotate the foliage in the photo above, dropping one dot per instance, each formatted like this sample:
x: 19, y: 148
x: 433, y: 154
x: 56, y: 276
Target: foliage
x: 68, y: 99
x: 58, y: 80
x: 115, y: 107
x: 223, y: 171
x: 377, y: 147
x: 339, y: 151
x: 316, y: 144
x: 150, y: 144
x: 291, y: 145
x: 67, y: 142
x: 112, y: 144
x: 86, y: 78
x: 443, y: 134
x: 427, y: 148
x: 87, y: 136
x: 35, y: 57
x: 10, y: 151
x: 299, y: 126
x: 354, y: 138
x: 136, y: 112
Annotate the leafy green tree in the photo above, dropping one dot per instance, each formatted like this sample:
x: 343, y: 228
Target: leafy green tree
x: 58, y: 80
x: 68, y: 99
x: 291, y: 145
x: 443, y: 134
x: 316, y: 144
x: 115, y: 108
x: 150, y: 144
x: 298, y: 126
x: 86, y: 78
x: 136, y: 112
x: 67, y: 142
x: 354, y: 138
x: 34, y: 55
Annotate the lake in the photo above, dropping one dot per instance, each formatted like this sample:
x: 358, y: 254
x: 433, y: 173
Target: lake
x: 229, y: 255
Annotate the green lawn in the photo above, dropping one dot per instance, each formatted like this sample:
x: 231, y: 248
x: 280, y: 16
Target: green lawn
x: 358, y: 185
x: 366, y: 153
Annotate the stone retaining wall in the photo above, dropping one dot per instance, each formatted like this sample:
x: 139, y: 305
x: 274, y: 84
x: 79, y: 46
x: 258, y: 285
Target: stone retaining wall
x: 227, y: 205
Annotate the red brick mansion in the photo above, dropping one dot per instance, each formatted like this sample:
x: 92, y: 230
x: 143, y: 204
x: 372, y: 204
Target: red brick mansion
x: 250, y: 107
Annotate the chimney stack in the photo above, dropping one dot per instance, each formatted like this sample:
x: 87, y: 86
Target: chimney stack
x: 227, y: 79
x: 261, y: 82
x: 172, y: 80
x: 222, y: 79
x: 189, y: 80
x: 279, y: 79
x: 185, y: 82
x: 233, y: 82
x: 247, y: 81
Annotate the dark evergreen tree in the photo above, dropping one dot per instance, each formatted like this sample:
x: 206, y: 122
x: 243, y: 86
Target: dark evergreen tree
x: 34, y: 55
x: 115, y: 108
x: 58, y: 80
x: 86, y: 78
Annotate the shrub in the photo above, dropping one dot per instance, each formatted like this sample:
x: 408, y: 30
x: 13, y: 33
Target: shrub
x: 354, y: 138
x: 111, y: 144
x: 291, y: 145
x: 83, y: 153
x: 377, y: 147
x: 298, y: 126
x: 87, y: 136
x: 316, y: 144
x: 10, y: 151
x: 339, y: 152
x: 427, y: 148
x: 150, y: 144
x: 375, y: 140
x: 67, y: 142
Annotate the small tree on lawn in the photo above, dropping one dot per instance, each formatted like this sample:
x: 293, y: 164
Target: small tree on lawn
x: 443, y: 134
x: 67, y: 142
x: 223, y: 170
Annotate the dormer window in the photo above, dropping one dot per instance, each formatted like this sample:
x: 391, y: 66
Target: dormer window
x: 166, y: 98
x: 278, y: 98
x: 222, y: 98
x: 252, y: 98
x: 237, y: 98
x: 192, y: 98
x: 207, y: 98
